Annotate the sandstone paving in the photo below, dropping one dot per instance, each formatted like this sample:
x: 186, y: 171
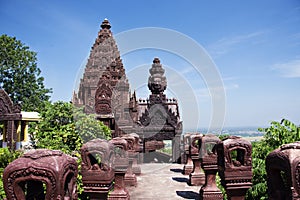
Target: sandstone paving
x: 163, y: 181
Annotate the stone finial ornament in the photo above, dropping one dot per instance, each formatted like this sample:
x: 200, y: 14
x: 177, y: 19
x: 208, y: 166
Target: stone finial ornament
x: 120, y: 164
x: 96, y: 168
x: 188, y: 167
x: 26, y: 177
x: 157, y: 82
x: 197, y: 176
x: 209, y: 162
x: 130, y: 178
x: 283, y: 172
x: 235, y: 166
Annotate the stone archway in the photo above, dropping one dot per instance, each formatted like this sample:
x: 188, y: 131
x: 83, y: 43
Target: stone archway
x: 10, y: 114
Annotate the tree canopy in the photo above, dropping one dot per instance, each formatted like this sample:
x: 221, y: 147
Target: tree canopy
x: 19, y: 75
x: 66, y: 127
x: 277, y: 134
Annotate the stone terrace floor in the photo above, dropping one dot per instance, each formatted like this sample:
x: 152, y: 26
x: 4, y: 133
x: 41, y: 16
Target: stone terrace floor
x: 163, y: 181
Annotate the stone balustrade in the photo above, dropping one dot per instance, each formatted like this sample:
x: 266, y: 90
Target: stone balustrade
x: 41, y: 174
x: 96, y: 168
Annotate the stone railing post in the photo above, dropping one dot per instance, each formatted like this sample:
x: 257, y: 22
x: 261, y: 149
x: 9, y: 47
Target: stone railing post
x: 26, y: 177
x: 235, y: 166
x: 209, y: 162
x: 283, y: 172
x: 197, y: 176
x: 136, y: 169
x: 130, y: 178
x: 188, y: 167
x: 96, y: 168
x: 120, y: 164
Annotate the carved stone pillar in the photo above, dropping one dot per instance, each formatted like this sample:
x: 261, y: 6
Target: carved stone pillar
x: 235, y: 166
x: 197, y: 176
x: 188, y: 167
x: 26, y: 177
x: 130, y: 178
x: 136, y: 169
x: 96, y: 168
x: 209, y: 162
x: 283, y: 172
x: 120, y: 165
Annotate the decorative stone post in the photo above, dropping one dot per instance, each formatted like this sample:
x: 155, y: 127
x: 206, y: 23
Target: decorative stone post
x: 283, y: 172
x: 136, y: 169
x: 120, y: 165
x: 209, y: 162
x: 235, y: 166
x: 130, y: 178
x: 188, y: 167
x: 26, y: 177
x: 197, y: 176
x: 96, y: 169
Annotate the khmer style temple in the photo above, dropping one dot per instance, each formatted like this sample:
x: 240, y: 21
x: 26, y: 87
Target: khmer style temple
x: 104, y: 90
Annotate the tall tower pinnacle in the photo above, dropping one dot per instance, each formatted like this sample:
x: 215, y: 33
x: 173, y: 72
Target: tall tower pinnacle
x: 105, y: 24
x: 157, y: 82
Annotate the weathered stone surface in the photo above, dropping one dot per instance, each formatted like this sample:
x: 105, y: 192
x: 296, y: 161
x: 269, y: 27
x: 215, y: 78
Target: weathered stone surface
x: 130, y: 178
x: 96, y: 168
x: 188, y: 167
x: 120, y: 165
x: 104, y: 90
x: 235, y: 166
x: 197, y: 176
x: 25, y: 176
x: 209, y: 162
x: 283, y: 172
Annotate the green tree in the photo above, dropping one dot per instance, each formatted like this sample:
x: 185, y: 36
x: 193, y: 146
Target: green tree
x: 19, y: 75
x: 66, y: 127
x: 277, y: 134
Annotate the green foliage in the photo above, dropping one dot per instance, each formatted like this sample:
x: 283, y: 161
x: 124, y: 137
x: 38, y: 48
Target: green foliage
x: 65, y: 128
x: 6, y: 157
x: 277, y: 134
x: 19, y: 75
x: 88, y: 127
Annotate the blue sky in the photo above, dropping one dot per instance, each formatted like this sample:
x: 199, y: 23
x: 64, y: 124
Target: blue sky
x: 255, y: 46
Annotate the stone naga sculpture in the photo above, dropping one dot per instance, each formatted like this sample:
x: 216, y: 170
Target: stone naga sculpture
x: 235, y: 166
x: 283, y: 172
x: 130, y: 178
x: 209, y: 162
x: 120, y: 164
x: 26, y: 177
x: 188, y: 167
x: 96, y: 168
x: 197, y: 176
x: 136, y: 169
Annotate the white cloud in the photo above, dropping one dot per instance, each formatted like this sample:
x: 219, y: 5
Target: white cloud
x: 289, y: 69
x: 224, y: 45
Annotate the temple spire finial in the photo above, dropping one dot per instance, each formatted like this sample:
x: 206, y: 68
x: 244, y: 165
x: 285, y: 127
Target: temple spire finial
x: 105, y: 24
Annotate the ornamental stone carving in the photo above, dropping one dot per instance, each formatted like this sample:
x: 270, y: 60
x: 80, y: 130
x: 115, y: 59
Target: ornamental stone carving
x: 96, y: 168
x: 209, y: 162
x: 235, y: 166
x: 120, y: 164
x: 197, y: 176
x: 26, y: 177
x: 283, y: 172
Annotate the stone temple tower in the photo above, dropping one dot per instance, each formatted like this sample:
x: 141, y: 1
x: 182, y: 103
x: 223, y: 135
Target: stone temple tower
x: 103, y: 53
x: 104, y: 88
